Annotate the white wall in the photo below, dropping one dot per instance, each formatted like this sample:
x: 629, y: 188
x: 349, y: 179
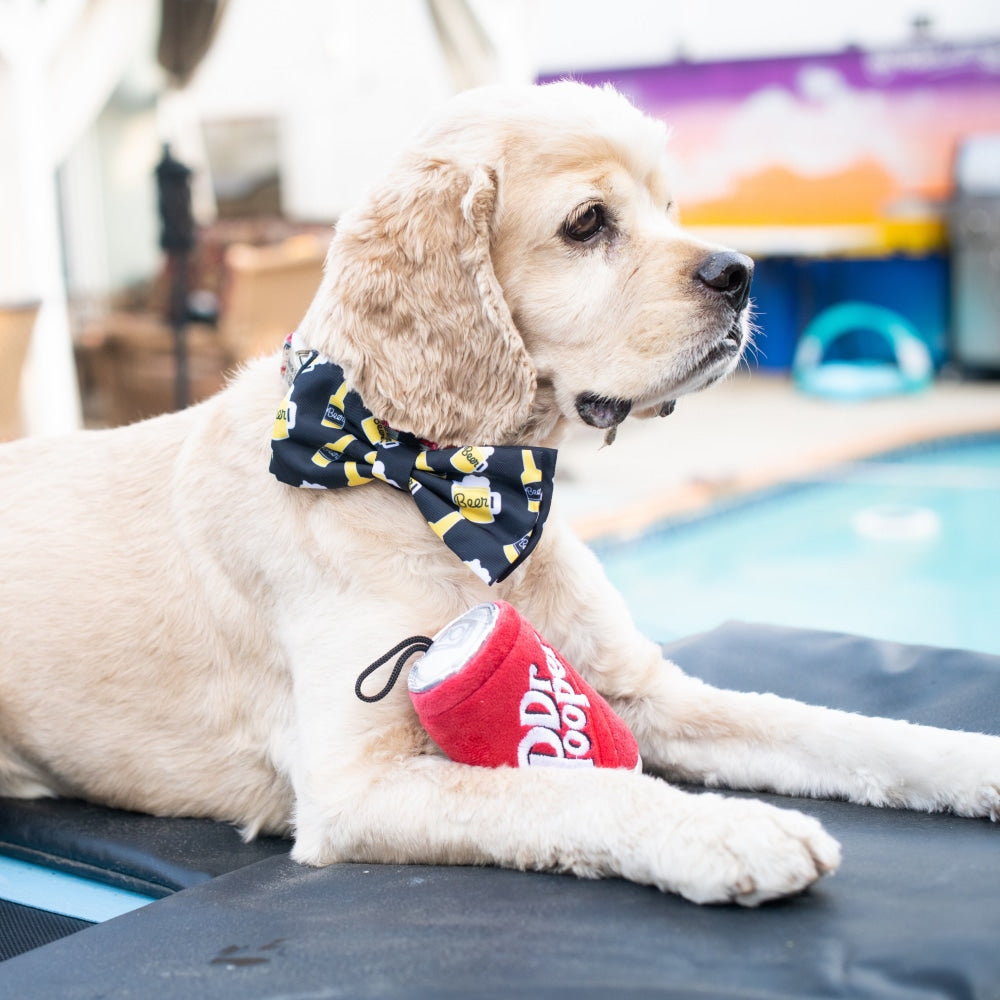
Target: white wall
x: 16, y: 281
x: 611, y: 34
x: 347, y: 79
x: 59, y: 63
x: 350, y: 79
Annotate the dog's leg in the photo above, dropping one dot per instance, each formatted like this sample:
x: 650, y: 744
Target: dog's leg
x: 370, y: 786
x: 601, y: 823
x: 689, y: 730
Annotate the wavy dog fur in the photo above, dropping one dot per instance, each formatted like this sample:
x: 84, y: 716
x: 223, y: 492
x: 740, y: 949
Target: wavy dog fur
x: 180, y: 632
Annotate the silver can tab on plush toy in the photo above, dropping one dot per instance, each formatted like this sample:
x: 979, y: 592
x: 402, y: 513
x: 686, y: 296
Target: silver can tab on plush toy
x: 453, y: 647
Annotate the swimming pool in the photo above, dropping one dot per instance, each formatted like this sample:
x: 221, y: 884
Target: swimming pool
x: 903, y: 546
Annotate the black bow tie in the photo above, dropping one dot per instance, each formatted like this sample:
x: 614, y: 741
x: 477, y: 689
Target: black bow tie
x: 487, y: 504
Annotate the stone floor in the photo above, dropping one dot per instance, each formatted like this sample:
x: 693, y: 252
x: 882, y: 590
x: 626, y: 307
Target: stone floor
x: 751, y: 431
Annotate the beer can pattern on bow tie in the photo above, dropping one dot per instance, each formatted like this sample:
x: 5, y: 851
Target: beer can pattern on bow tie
x: 491, y: 692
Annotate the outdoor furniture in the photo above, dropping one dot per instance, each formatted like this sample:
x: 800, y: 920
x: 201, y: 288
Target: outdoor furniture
x: 16, y: 324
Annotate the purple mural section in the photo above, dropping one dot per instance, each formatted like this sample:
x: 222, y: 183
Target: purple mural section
x: 932, y: 66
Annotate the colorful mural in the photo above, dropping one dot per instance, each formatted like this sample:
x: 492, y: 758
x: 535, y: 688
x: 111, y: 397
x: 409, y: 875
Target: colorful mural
x: 862, y: 139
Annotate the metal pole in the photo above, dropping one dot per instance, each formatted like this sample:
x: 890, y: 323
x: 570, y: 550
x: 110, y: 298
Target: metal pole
x: 173, y: 181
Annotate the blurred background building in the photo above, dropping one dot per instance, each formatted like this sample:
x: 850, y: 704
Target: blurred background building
x: 851, y: 148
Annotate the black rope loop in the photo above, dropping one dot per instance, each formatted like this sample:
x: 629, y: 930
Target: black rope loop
x: 407, y: 648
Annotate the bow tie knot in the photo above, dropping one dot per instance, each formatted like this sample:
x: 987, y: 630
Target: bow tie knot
x: 487, y: 504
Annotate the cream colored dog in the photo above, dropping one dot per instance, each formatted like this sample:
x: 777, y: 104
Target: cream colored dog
x: 181, y: 632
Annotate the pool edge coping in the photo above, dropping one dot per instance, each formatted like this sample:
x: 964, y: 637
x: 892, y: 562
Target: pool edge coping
x: 632, y: 519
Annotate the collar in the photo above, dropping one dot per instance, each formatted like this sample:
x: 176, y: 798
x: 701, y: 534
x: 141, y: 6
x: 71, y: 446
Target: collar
x: 486, y: 503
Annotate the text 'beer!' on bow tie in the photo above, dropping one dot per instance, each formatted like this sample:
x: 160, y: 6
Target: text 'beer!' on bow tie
x: 487, y: 504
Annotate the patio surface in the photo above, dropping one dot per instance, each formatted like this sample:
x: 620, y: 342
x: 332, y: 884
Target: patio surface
x: 752, y: 431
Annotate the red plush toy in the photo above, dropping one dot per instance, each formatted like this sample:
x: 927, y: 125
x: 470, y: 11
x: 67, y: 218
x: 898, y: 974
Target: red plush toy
x: 490, y: 691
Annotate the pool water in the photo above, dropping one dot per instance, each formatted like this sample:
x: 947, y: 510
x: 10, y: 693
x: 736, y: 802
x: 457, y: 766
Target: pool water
x: 905, y: 546
x: 58, y: 892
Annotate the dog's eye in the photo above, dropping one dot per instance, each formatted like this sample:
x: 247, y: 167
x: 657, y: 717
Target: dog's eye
x: 587, y: 224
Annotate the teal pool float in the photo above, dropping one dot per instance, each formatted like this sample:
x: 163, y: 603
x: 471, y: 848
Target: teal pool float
x: 911, y: 369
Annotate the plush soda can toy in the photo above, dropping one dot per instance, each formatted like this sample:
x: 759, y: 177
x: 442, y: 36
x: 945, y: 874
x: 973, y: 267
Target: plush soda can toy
x: 491, y: 692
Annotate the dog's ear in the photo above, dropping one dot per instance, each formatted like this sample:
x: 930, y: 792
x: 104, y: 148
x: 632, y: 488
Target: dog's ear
x: 411, y: 309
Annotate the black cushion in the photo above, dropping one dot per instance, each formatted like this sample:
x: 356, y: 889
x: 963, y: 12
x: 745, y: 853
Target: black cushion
x: 25, y: 927
x: 914, y: 909
x: 145, y: 854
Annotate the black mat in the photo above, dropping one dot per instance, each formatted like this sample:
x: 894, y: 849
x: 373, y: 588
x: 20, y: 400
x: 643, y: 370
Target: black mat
x: 914, y: 910
x: 132, y: 851
x: 23, y: 928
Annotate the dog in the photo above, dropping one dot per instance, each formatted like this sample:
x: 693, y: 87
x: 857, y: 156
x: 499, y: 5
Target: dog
x: 181, y: 630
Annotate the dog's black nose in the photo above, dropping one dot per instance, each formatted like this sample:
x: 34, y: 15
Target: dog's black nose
x: 729, y: 274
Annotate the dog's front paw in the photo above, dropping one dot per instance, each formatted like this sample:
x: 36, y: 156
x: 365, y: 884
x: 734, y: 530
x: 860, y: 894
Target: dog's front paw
x: 978, y: 799
x: 747, y: 852
x: 963, y: 776
x: 979, y: 794
x: 990, y: 797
